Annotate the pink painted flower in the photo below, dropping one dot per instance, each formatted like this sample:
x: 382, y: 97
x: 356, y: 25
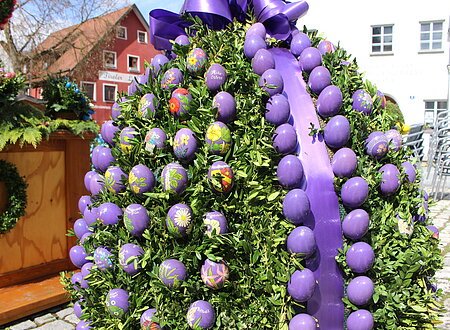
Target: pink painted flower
x: 10, y: 75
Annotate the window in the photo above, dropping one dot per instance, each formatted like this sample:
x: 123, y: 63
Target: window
x: 89, y: 89
x: 382, y: 38
x: 121, y: 32
x: 133, y: 63
x: 431, y: 35
x: 142, y: 37
x: 109, y: 93
x: 110, y: 59
x: 432, y: 109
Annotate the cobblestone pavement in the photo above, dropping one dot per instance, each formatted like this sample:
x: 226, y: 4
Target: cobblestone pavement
x: 58, y: 318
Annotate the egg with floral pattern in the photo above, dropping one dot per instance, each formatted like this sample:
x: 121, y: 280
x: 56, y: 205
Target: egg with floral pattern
x: 128, y: 256
x: 117, y: 302
x: 377, y: 144
x: 141, y: 179
x: 214, y: 274
x: 179, y: 102
x: 215, y: 223
x: 103, y: 258
x: 147, y: 105
x: 172, y: 272
x: 221, y: 177
x: 179, y: 220
x: 196, y: 61
x: 201, y: 315
x: 146, y: 320
x: 218, y: 138
x: 185, y: 145
x: 126, y: 136
x: 155, y: 139
x: 362, y: 102
x: 174, y: 178
x: 115, y: 178
x: 172, y: 78
x: 135, y: 219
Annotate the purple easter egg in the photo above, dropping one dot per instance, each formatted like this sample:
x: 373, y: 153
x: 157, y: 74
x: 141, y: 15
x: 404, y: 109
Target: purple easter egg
x: 109, y: 213
x: 185, y: 145
x: 226, y: 107
x: 329, y: 102
x: 390, y: 179
x: 174, y: 178
x: 362, y: 102
x: 285, y: 139
x: 155, y: 139
x: 172, y: 272
x: 271, y: 82
x: 309, y: 59
x: 214, y: 274
x: 360, y: 290
x: 180, y: 102
x: 303, y: 322
x: 146, y: 320
x: 301, y: 285
x: 221, y: 177
x: 299, y: 43
x: 147, y: 104
x: 83, y: 325
x: 196, y: 61
x: 132, y: 87
x: 179, y: 220
x: 319, y: 78
x: 104, y: 159
x: 344, y: 163
x: 356, y: 224
x: 326, y: 46
x: 103, y: 258
x: 376, y: 145
x: 395, y: 139
x: 86, y: 269
x: 84, y: 237
x: 215, y: 223
x: 109, y: 131
x: 257, y: 29
x: 434, y: 230
x: 302, y: 241
x: 337, y: 132
x: 87, y: 179
x: 218, y: 138
x: 78, y: 255
x: 83, y: 202
x: 201, y: 315
x: 126, y: 136
x: 97, y: 183
x: 90, y: 215
x: 262, y: 61
x: 117, y: 302
x: 290, y: 172
x: 80, y: 228
x: 360, y: 257
x: 215, y: 77
x: 79, y: 282
x: 360, y: 320
x: 115, y: 179
x: 252, y: 44
x: 277, y: 110
x: 77, y: 309
x: 382, y: 98
x: 128, y: 256
x: 410, y: 171
x: 172, y: 78
x: 94, y: 154
x: 354, y: 192
x: 115, y: 110
x: 296, y: 206
x: 158, y: 61
x: 141, y: 179
x: 143, y: 79
x: 182, y: 40
x: 136, y: 219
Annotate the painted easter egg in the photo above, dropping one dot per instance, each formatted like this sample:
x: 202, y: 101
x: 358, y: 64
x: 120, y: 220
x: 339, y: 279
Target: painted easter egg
x: 77, y: 255
x: 214, y: 274
x: 196, y: 61
x: 179, y: 220
x: 290, y: 172
x: 360, y: 320
x: 103, y: 258
x: 302, y: 322
x: 125, y: 137
x: 395, y: 139
x: 158, y: 61
x: 86, y: 269
x: 377, y: 145
x: 104, y: 158
x: 141, y: 179
x: 143, y: 79
x: 296, y: 206
x: 326, y: 46
x: 215, y: 223
x: 302, y: 285
x: 83, y: 325
x: 77, y: 309
x: 218, y: 138
x: 256, y: 29
x: 225, y: 104
x: 262, y: 61
x: 434, y: 230
x: 360, y: 257
x: 172, y: 78
x: 362, y: 102
x: 337, y: 132
x: 136, y: 219
x: 354, y: 192
x: 128, y: 256
x: 147, y: 105
x: 344, y: 163
x: 90, y: 215
x: 215, y: 77
x: 390, y: 179
x: 252, y: 44
x: 360, y: 290
x: 80, y: 228
x: 319, y: 78
x: 302, y: 241
x: 109, y: 213
x: 146, y: 320
x: 382, y: 98
x: 285, y: 139
x: 83, y: 202
x: 87, y: 179
x: 108, y: 131
x: 84, y: 237
x: 185, y: 145
x: 174, y: 178
x: 329, y: 102
x: 182, y: 40
x: 179, y: 102
x: 410, y: 171
x: 221, y: 177
x: 201, y: 315
x: 271, y: 82
x: 172, y: 272
x: 299, y: 43
x: 132, y: 87
x: 117, y: 302
x: 309, y: 59
x: 115, y: 110
x: 277, y: 110
x: 356, y: 224
x: 97, y: 184
x: 155, y: 139
x: 115, y: 179
x: 79, y: 282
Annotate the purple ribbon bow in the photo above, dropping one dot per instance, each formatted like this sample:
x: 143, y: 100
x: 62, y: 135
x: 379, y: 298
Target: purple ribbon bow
x: 278, y: 16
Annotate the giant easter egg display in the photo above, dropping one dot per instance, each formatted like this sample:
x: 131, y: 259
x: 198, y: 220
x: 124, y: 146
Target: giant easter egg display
x: 225, y: 104
x: 218, y: 138
x: 201, y: 315
x: 179, y: 102
x: 221, y: 177
x: 174, y: 178
x: 141, y: 179
x: 215, y: 223
x: 171, y: 272
x: 214, y: 274
x: 117, y: 302
x: 302, y: 285
x: 215, y: 77
x: 184, y: 144
x: 128, y: 257
x: 179, y: 220
x: 135, y: 219
x: 196, y: 61
x: 146, y: 320
x: 277, y: 110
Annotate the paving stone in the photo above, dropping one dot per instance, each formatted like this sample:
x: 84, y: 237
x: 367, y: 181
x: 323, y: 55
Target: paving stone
x: 57, y: 325
x: 44, y: 319
x: 28, y: 324
x: 72, y: 319
x: 63, y: 313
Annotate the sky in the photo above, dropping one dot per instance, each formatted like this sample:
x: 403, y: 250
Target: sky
x: 146, y: 5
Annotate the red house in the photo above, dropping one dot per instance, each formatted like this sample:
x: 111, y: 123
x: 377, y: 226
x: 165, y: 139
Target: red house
x: 103, y: 55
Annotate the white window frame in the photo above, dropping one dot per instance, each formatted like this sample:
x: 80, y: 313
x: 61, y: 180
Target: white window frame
x: 108, y: 66
x: 82, y: 83
x: 382, y: 42
x: 138, y: 69
x: 435, y: 111
x: 115, y: 94
x: 146, y: 37
x: 431, y: 39
x: 122, y: 28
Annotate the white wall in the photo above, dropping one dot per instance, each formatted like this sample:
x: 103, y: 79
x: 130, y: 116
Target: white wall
x: 407, y: 76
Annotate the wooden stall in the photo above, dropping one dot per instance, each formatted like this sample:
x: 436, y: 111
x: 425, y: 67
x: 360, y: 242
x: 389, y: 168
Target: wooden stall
x: 34, y: 252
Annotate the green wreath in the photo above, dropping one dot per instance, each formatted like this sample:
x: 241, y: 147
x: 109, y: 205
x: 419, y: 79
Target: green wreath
x: 16, y: 188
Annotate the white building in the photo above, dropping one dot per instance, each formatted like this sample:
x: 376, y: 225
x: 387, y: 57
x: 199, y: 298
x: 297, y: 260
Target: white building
x: 401, y: 46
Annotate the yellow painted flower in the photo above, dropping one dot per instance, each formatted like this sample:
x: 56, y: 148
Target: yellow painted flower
x: 184, y: 139
x: 192, y: 60
x: 214, y: 133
